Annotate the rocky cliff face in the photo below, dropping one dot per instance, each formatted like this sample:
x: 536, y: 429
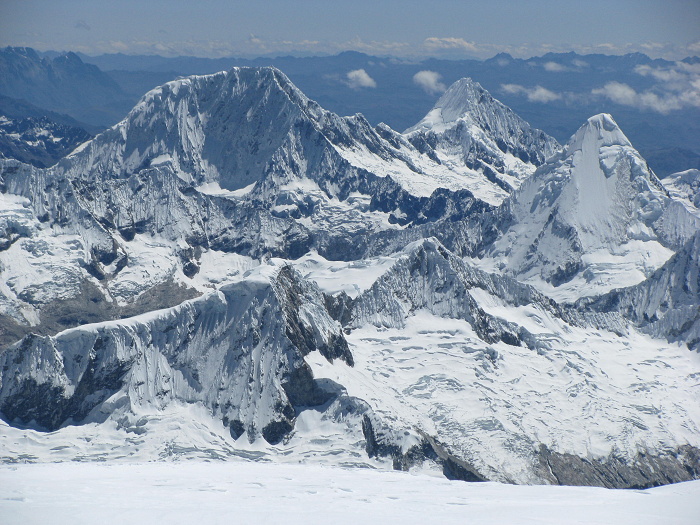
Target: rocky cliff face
x: 238, y: 351
x: 38, y: 141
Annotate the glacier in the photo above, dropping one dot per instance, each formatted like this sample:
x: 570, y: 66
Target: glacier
x: 234, y: 272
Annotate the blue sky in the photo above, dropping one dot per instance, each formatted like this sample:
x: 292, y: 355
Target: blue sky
x: 447, y: 28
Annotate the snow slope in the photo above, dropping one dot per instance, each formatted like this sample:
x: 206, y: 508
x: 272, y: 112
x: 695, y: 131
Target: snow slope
x: 193, y: 491
x: 472, y: 132
x: 181, y: 493
x: 492, y: 368
x: 592, y: 218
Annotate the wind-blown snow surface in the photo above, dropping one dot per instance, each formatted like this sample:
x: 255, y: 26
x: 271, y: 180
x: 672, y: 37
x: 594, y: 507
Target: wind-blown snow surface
x: 215, y: 493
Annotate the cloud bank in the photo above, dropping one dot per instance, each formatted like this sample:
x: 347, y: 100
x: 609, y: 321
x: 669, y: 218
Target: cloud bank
x: 435, y: 44
x: 677, y: 87
x: 255, y: 45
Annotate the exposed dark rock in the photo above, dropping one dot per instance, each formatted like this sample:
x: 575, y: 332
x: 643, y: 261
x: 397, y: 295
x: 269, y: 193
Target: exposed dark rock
x: 303, y: 390
x: 276, y: 431
x: 643, y: 471
x: 339, y: 307
x: 46, y: 407
x: 429, y: 449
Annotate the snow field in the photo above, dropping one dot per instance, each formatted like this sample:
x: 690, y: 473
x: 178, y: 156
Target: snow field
x: 249, y: 492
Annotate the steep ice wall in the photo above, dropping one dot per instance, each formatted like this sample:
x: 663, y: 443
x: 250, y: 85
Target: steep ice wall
x: 592, y: 218
x: 238, y: 351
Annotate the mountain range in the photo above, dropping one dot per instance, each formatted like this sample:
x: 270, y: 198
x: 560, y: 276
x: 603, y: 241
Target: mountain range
x: 233, y: 270
x: 554, y: 92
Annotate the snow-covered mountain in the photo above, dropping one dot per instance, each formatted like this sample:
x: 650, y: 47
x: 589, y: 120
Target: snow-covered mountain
x: 472, y: 132
x: 191, y: 169
x: 239, y: 351
x: 234, y: 271
x: 514, y: 385
x: 38, y: 141
x: 685, y: 186
x: 594, y: 217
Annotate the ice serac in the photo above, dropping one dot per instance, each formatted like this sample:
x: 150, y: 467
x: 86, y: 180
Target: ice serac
x: 685, y: 186
x: 470, y: 130
x: 238, y: 351
x: 592, y: 218
x: 665, y: 305
x: 491, y: 375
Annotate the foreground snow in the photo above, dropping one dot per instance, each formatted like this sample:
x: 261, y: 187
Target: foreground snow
x: 262, y: 493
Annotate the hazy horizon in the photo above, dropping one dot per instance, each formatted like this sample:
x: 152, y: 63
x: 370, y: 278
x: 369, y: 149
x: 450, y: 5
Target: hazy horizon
x: 408, y: 29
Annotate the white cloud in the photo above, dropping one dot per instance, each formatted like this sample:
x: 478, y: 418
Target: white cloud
x: 677, y: 87
x: 429, y: 81
x: 359, y: 78
x: 618, y: 92
x: 554, y: 67
x: 540, y: 94
x: 662, y: 103
x: 662, y: 74
x: 579, y: 63
x: 536, y: 94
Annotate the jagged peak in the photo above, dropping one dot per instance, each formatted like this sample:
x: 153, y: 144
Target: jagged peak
x: 26, y: 52
x: 234, y: 81
x: 460, y: 99
x: 599, y: 130
x: 431, y: 244
x: 208, y: 127
x: 463, y: 100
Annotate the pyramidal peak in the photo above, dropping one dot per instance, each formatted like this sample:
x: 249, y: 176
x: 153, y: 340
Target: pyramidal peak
x: 463, y: 99
x: 610, y: 181
x: 469, y: 128
x: 600, y: 130
x: 208, y: 127
x: 593, y: 217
